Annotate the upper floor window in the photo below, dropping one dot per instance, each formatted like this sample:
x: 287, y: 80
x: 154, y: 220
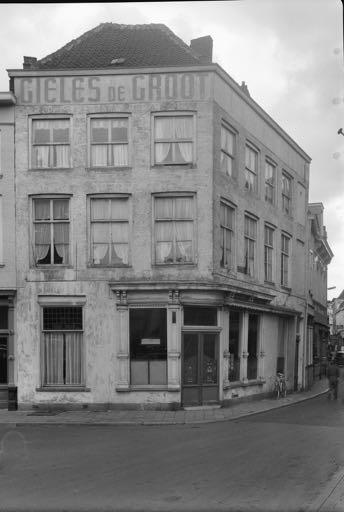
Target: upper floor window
x: 286, y: 193
x: 109, y: 142
x: 173, y: 139
x: 251, y: 169
x: 268, y: 253
x: 250, y: 238
x: 50, y: 143
x: 227, y: 235
x: 51, y: 231
x: 285, y: 253
x: 227, y: 150
x: 269, y: 182
x: 110, y: 231
x: 174, y: 229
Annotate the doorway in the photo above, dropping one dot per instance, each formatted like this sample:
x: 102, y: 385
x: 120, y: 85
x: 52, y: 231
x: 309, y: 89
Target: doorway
x: 200, y: 379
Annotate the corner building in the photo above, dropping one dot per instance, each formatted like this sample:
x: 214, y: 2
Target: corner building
x: 161, y: 228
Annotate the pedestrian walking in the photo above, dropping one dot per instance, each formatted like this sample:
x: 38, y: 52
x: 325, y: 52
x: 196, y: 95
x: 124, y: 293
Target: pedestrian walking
x: 333, y: 378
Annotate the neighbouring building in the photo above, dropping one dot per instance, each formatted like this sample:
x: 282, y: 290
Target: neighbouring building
x: 320, y: 256
x: 162, y: 225
x: 7, y: 247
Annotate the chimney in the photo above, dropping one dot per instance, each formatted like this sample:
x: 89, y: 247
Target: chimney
x: 203, y: 48
x: 244, y: 88
x: 29, y: 62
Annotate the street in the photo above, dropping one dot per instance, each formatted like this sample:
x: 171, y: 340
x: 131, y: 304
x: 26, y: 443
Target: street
x: 274, y: 461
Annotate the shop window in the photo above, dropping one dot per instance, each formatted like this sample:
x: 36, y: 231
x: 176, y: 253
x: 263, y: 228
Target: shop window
x: 3, y: 317
x: 174, y: 229
x: 148, y: 346
x: 62, y: 346
x: 234, y: 346
x: 194, y: 315
x: 109, y: 142
x: 50, y: 143
x: 173, y: 139
x: 51, y: 231
x: 109, y: 231
x: 252, y: 347
x: 3, y: 359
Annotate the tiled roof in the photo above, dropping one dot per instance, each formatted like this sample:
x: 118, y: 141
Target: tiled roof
x: 111, y: 45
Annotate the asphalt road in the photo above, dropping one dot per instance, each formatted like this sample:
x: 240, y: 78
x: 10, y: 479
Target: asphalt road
x: 275, y: 461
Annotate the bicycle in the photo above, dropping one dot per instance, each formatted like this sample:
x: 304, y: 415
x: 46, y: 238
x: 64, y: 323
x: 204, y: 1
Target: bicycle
x: 280, y: 385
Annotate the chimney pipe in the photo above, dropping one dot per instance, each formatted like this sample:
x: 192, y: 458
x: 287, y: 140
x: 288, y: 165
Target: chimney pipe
x: 203, y: 48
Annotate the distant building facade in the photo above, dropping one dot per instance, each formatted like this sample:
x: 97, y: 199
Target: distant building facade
x: 162, y: 228
x: 320, y: 256
x: 7, y: 246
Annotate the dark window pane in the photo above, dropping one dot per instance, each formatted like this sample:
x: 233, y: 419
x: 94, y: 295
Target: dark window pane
x: 234, y: 337
x: 252, y: 346
x: 148, y: 333
x: 3, y: 317
x: 3, y: 360
x: 200, y: 316
x: 62, y: 318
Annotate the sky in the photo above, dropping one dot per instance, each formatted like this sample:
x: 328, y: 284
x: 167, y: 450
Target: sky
x: 289, y: 53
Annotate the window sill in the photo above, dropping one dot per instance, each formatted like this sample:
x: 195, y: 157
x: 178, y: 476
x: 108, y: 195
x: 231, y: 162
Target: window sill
x: 52, y: 266
x: 109, y: 169
x: 174, y: 166
x: 51, y: 169
x: 147, y: 387
x: 174, y: 264
x: 108, y: 267
x: 68, y: 389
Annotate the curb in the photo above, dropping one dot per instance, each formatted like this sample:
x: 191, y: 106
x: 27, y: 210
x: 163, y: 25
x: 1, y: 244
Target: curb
x: 278, y: 405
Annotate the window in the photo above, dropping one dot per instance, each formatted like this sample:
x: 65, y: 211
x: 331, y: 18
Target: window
x: 174, y: 236
x: 250, y: 237
x: 196, y: 315
x: 109, y: 231
x: 227, y: 150
x: 50, y: 143
x: 227, y: 235
x: 286, y: 194
x: 268, y: 253
x: 234, y: 344
x: 173, y: 139
x: 1, y: 232
x: 51, y: 231
x: 285, y: 247
x: 252, y: 347
x: 270, y: 170
x: 148, y: 346
x: 109, y: 142
x: 62, y: 346
x: 251, y: 169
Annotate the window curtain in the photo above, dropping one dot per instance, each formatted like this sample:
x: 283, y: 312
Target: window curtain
x: 104, y: 134
x: 119, y: 240
x: 184, y: 241
x: 163, y: 208
x: 227, y: 141
x: 100, y: 243
x: 183, y: 130
x: 169, y: 130
x: 183, y: 208
x: 51, y: 139
x: 61, y: 241
x: 42, y: 241
x: 53, y: 358
x: 164, y: 245
x: 61, y: 209
x: 74, y: 358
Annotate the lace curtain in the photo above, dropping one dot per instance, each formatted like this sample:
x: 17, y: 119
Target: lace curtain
x: 45, y: 230
x: 51, y: 146
x: 109, y: 142
x: 110, y: 240
x: 173, y: 139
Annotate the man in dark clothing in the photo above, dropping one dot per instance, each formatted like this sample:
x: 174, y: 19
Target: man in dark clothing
x: 333, y: 377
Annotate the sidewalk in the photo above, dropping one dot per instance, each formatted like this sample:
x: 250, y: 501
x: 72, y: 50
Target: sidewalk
x: 149, y: 417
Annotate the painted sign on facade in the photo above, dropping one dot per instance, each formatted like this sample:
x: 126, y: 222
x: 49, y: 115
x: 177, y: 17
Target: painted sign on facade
x: 110, y: 89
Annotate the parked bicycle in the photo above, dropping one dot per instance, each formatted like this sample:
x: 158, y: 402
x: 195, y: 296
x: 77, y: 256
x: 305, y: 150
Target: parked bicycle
x: 280, y: 385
